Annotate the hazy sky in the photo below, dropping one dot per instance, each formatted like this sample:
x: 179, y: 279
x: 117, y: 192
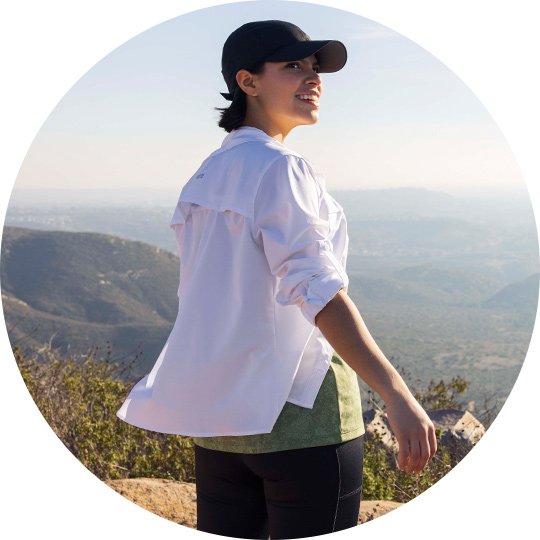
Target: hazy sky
x: 394, y: 116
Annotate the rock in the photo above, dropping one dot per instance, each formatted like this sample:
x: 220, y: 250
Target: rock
x: 462, y: 432
x: 370, y: 510
x: 376, y: 423
x: 170, y: 499
x: 460, y: 425
x: 177, y: 501
x: 460, y: 429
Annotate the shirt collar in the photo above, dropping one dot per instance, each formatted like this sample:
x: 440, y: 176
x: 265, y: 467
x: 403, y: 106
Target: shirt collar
x: 246, y: 133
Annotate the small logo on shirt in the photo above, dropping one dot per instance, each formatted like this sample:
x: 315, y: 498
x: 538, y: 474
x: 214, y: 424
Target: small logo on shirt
x: 200, y: 175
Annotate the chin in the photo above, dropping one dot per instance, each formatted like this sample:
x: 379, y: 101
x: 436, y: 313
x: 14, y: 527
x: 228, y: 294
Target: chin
x: 305, y: 120
x: 308, y: 121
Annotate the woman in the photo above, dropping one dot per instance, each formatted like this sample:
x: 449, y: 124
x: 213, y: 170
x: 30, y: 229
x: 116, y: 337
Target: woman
x: 248, y: 370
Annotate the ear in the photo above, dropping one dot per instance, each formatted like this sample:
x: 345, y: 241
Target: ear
x: 246, y: 81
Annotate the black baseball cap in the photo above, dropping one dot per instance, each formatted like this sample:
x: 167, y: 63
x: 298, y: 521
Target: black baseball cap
x: 275, y: 41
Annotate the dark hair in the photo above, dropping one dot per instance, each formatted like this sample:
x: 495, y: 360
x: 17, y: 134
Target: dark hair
x: 233, y: 116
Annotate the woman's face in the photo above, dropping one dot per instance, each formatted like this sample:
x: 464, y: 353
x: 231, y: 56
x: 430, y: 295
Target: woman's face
x: 273, y: 96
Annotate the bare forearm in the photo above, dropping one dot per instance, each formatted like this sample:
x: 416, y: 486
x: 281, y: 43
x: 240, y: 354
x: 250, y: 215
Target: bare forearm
x: 342, y: 325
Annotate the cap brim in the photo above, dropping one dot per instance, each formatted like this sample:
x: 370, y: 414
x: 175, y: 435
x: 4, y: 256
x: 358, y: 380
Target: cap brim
x: 332, y: 54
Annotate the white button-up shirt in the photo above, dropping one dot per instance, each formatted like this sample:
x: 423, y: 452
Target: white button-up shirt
x: 263, y: 248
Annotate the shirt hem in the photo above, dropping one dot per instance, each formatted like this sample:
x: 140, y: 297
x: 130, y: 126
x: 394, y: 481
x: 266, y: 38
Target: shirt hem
x: 312, y: 387
x: 184, y: 433
x: 344, y: 436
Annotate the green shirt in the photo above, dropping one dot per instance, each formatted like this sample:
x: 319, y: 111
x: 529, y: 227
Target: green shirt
x: 336, y: 417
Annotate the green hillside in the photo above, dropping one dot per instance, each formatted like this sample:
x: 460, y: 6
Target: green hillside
x: 87, y: 289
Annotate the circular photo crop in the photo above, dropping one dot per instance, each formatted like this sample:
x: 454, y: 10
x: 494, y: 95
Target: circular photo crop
x: 236, y: 310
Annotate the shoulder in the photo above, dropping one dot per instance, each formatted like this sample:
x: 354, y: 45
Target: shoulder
x: 287, y: 177
x: 283, y: 165
x: 278, y: 159
x: 263, y: 151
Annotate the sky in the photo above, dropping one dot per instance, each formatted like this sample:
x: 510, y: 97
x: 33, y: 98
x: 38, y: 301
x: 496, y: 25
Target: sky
x: 143, y: 117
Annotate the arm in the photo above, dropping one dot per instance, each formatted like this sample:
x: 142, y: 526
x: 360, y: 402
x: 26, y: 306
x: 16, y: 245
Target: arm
x: 342, y: 325
x: 294, y: 239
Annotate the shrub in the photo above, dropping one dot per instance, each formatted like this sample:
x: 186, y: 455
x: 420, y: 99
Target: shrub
x: 79, y: 397
x: 383, y: 480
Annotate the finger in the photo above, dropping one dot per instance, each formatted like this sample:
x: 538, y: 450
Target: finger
x: 415, y: 456
x: 432, y: 442
x: 403, y: 455
x: 424, y: 453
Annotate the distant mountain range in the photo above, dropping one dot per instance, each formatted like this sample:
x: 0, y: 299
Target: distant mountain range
x: 401, y: 225
x: 443, y: 294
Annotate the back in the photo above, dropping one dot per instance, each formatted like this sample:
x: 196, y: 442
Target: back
x: 249, y: 242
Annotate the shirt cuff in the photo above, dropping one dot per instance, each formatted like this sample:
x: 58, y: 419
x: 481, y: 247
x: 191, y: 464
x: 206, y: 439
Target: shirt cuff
x: 319, y: 292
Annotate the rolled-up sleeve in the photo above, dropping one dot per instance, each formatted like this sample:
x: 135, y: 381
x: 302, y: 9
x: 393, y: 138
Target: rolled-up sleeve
x: 295, y: 237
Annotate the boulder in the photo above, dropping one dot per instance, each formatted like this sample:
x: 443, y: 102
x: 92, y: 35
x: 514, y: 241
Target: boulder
x: 177, y: 501
x: 170, y: 499
x: 460, y: 429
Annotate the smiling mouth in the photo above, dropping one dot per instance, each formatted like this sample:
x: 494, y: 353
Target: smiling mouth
x: 313, y: 103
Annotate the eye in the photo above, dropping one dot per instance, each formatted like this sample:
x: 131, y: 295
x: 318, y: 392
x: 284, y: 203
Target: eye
x: 317, y: 69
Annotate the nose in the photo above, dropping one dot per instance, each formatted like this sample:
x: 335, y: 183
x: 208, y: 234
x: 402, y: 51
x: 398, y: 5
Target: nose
x: 314, y: 78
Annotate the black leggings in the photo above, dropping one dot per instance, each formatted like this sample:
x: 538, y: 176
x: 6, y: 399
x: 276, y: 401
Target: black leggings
x: 285, y: 494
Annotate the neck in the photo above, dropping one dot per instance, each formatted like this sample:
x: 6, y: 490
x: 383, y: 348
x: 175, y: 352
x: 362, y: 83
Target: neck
x: 269, y: 127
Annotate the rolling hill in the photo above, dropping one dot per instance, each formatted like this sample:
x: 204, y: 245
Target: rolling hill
x: 435, y: 319
x: 88, y: 288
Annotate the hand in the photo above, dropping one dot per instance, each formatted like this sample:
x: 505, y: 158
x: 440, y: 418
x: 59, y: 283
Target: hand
x: 414, y: 431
